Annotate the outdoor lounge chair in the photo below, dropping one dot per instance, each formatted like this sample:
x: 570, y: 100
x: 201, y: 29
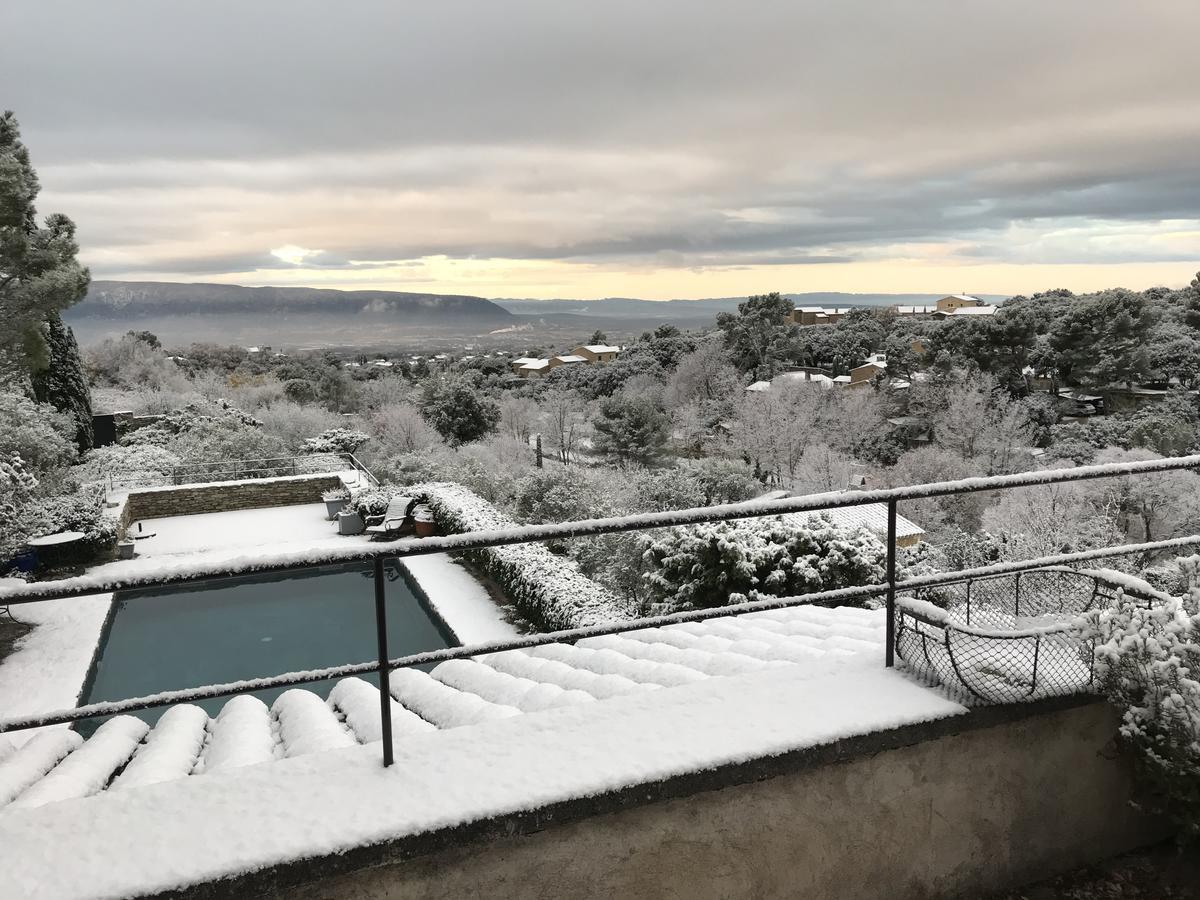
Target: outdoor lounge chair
x: 394, y: 520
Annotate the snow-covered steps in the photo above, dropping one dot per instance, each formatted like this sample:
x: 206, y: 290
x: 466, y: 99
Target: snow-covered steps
x: 124, y: 754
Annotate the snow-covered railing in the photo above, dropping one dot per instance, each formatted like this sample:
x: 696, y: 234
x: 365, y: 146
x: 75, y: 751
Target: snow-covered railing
x: 1010, y: 638
x: 157, y: 573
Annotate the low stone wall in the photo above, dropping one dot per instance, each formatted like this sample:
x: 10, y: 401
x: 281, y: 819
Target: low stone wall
x: 963, y: 807
x: 189, y: 500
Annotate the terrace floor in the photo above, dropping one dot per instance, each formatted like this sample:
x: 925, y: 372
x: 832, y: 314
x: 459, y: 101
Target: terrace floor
x: 278, y: 526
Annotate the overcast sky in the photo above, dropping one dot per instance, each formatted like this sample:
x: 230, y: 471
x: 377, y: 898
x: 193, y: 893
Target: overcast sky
x: 657, y: 148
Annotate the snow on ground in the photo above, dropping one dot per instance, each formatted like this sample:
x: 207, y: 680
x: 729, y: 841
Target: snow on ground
x: 303, y: 523
x: 462, y: 602
x: 168, y: 835
x: 47, y: 668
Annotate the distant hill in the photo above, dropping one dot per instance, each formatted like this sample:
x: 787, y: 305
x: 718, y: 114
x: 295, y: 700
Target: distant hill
x: 138, y: 299
x: 295, y: 317
x: 673, y: 310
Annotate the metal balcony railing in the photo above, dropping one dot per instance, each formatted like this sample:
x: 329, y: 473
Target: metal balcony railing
x: 911, y: 622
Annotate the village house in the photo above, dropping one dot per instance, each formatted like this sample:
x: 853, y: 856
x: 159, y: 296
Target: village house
x: 817, y: 315
x: 861, y: 376
x: 597, y: 353
x: 531, y: 367
x: 567, y: 359
x: 952, y: 305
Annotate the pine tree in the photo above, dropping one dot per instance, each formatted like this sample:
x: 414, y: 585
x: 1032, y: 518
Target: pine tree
x: 38, y: 271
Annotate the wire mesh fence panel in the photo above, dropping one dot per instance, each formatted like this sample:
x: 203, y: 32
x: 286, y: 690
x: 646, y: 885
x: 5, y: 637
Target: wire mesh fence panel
x: 1004, y: 640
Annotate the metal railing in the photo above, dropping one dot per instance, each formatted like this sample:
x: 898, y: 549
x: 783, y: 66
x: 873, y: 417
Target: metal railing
x: 1009, y: 638
x: 202, y: 572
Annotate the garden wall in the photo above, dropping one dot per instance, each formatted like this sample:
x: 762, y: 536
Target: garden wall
x: 230, y: 495
x: 963, y: 807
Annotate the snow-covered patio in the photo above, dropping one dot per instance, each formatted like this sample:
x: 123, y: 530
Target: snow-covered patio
x: 279, y: 526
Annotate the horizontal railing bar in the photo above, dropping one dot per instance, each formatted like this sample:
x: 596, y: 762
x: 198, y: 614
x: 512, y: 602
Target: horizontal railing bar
x: 168, y: 698
x: 479, y: 540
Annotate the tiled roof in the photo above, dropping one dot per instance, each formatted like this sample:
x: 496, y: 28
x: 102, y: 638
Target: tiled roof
x: 123, y: 753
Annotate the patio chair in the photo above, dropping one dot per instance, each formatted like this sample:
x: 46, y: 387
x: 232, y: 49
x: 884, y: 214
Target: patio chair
x: 393, y: 521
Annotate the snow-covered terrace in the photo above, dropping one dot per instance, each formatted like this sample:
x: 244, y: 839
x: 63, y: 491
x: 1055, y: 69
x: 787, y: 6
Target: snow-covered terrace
x: 488, y: 732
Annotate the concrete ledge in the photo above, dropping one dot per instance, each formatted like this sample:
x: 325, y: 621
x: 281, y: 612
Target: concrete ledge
x: 972, y: 803
x: 186, y: 500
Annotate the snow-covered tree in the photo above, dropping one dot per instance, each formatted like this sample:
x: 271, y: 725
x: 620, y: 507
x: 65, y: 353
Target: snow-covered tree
x: 459, y: 411
x: 335, y: 440
x: 41, y: 436
x: 564, y: 421
x: 720, y: 563
x: 17, y: 484
x: 39, y: 275
x: 631, y: 429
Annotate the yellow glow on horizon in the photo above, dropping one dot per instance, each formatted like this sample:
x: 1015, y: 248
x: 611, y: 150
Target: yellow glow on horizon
x: 540, y: 279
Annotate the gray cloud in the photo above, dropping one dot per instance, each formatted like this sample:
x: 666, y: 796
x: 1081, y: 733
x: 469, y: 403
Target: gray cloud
x: 194, y: 137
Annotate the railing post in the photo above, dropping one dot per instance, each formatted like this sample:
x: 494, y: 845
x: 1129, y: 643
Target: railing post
x: 890, y: 639
x: 1017, y: 599
x: 385, y: 691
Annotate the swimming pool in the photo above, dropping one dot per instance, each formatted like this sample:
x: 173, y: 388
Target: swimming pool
x: 253, y: 626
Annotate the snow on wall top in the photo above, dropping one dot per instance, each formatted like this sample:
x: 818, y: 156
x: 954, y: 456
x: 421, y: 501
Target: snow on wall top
x: 143, y: 840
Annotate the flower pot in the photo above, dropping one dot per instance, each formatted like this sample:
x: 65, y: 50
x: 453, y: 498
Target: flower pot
x: 125, y: 549
x: 333, y: 507
x: 423, y: 523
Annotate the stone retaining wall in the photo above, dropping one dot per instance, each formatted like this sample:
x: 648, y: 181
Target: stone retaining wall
x: 155, y: 503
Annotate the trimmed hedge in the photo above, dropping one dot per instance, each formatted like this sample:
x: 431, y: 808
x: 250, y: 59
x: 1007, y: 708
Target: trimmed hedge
x: 549, y: 590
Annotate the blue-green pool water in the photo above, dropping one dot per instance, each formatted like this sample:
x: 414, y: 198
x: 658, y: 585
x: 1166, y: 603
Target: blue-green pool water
x: 250, y: 627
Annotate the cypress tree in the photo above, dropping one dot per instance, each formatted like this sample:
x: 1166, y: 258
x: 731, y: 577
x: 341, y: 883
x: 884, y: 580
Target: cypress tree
x: 62, y: 383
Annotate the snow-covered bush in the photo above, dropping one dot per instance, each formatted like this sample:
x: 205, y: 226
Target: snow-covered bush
x: 1148, y: 664
x: 117, y: 461
x: 715, y: 564
x: 549, y: 590
x: 16, y: 488
x: 81, y: 511
x: 41, y: 436
x: 335, y: 440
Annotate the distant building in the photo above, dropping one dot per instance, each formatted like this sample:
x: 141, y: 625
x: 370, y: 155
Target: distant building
x: 569, y: 359
x: 597, y: 353
x: 957, y: 301
x: 520, y: 361
x: 817, y: 315
x: 533, y: 368
x: 954, y: 304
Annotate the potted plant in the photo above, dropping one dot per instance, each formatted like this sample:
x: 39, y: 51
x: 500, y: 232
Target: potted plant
x: 423, y: 522
x: 334, y: 501
x: 125, y: 548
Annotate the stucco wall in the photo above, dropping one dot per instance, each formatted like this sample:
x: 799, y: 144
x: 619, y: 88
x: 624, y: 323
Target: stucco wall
x: 193, y: 499
x: 961, y: 813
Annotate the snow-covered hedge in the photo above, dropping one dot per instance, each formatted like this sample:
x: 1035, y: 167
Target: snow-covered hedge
x: 1148, y: 665
x: 718, y: 563
x: 549, y: 590
x: 119, y: 461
